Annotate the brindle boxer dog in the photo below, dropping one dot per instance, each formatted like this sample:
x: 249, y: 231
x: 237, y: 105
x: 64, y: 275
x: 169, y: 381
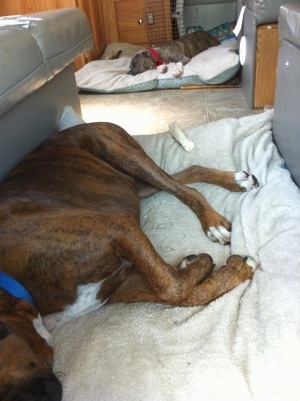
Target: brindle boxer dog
x: 70, y: 238
x: 177, y: 51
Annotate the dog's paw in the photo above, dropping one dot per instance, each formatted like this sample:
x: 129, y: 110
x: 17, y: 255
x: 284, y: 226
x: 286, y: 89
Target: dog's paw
x: 178, y: 70
x: 162, y: 69
x: 219, y: 234
x: 246, y: 180
x: 252, y: 263
x: 241, y: 262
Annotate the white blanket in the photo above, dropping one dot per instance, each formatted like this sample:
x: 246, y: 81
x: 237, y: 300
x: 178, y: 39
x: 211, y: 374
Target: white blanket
x: 243, y: 346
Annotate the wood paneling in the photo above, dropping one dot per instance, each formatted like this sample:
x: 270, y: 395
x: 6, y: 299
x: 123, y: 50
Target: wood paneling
x: 267, y: 46
x: 93, y: 11
x: 10, y: 7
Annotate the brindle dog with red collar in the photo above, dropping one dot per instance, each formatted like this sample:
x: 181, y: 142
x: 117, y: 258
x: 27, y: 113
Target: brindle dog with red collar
x: 70, y: 226
x: 176, y: 51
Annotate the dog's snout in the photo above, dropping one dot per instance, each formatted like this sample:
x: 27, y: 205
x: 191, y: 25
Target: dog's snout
x: 41, y: 388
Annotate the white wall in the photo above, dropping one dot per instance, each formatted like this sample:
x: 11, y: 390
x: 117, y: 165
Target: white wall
x: 208, y: 15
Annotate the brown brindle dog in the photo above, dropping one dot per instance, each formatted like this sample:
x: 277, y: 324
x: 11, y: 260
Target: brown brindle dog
x: 70, y: 234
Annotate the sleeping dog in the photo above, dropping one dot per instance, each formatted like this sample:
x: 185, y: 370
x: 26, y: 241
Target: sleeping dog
x: 71, y: 241
x: 177, y: 51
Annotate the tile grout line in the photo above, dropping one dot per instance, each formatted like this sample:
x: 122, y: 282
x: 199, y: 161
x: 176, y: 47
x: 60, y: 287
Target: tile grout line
x: 206, y: 106
x: 157, y: 113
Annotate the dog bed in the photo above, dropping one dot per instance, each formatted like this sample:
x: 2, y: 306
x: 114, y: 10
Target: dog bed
x: 214, y: 66
x: 243, y: 346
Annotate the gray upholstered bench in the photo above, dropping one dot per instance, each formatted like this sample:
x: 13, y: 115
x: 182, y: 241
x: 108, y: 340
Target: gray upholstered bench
x: 287, y: 100
x: 37, y: 77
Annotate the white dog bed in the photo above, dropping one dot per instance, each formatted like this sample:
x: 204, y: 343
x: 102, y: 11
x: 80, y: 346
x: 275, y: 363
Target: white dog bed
x: 216, y: 65
x: 243, y: 346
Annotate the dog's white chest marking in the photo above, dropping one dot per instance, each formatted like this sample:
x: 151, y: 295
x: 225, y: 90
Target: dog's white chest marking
x: 86, y: 302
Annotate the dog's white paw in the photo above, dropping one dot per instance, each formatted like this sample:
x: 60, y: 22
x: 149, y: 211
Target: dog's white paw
x: 219, y: 234
x: 252, y: 263
x: 178, y: 70
x: 162, y: 69
x: 246, y: 180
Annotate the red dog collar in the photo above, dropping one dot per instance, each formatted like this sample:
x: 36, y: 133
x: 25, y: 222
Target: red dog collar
x: 158, y: 61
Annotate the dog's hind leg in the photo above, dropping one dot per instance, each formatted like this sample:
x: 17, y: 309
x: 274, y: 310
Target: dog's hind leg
x: 236, y: 181
x: 171, y: 283
x: 237, y: 270
x: 159, y: 281
x: 113, y: 144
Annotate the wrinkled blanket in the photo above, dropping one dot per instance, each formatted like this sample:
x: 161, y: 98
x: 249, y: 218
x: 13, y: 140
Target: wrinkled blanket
x: 243, y: 346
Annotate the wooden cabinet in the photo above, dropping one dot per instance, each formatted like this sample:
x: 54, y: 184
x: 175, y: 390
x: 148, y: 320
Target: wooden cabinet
x: 140, y: 22
x: 267, y: 47
x: 92, y: 9
x: 130, y: 21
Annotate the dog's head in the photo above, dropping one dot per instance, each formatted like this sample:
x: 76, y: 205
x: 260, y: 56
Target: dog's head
x: 26, y: 358
x: 141, y: 62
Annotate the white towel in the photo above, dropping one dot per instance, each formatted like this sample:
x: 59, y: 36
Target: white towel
x: 244, y: 346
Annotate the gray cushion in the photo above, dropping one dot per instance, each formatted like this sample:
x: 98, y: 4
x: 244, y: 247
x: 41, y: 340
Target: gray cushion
x: 21, y: 64
x: 289, y: 22
x: 34, y: 48
x: 265, y: 11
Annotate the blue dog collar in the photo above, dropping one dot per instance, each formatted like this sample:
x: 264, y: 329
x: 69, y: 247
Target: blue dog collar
x: 14, y: 288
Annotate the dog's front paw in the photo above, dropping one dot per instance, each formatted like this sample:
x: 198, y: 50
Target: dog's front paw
x: 216, y: 227
x: 178, y: 70
x: 162, y: 69
x: 219, y: 234
x: 246, y: 180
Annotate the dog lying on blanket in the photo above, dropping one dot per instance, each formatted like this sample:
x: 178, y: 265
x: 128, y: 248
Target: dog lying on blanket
x: 71, y: 241
x: 177, y: 51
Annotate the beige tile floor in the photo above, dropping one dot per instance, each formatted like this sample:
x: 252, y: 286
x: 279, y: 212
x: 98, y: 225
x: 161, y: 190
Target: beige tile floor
x: 151, y: 112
